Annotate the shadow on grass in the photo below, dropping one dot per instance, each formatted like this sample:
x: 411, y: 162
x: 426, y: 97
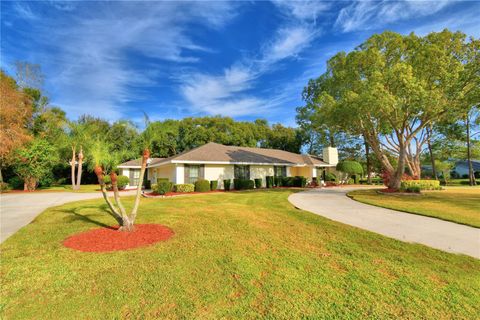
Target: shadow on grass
x: 76, y: 215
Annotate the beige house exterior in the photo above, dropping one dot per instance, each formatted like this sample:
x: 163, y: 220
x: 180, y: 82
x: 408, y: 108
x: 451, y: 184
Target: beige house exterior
x: 214, y: 161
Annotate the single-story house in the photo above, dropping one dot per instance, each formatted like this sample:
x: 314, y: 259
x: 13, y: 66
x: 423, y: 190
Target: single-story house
x: 214, y: 161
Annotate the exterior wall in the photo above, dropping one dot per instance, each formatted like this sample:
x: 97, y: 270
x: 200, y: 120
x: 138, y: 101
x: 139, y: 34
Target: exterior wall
x: 261, y: 172
x: 219, y: 173
x: 167, y: 171
x: 306, y: 172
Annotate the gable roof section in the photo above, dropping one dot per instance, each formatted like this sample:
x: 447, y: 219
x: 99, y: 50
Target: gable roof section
x: 137, y: 163
x: 219, y: 153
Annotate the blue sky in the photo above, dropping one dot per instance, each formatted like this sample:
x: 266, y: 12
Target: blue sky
x: 245, y: 59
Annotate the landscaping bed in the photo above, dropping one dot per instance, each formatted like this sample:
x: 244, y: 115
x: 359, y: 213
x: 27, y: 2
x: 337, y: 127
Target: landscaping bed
x: 111, y: 239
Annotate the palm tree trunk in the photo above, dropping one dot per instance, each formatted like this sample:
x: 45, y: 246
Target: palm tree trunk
x: 72, y: 164
x: 113, y: 212
x: 79, y: 172
x: 126, y: 225
x: 133, y: 215
x: 471, y: 174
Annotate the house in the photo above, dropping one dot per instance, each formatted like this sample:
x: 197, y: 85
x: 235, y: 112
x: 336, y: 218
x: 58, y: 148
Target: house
x: 214, y: 161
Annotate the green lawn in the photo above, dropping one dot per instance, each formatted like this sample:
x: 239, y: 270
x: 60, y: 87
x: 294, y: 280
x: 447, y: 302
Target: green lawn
x: 457, y: 204
x: 234, y: 255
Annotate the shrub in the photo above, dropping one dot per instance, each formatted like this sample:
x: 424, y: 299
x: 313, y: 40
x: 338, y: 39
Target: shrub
x: 186, y: 187
x: 4, y: 186
x: 330, y: 176
x: 122, y: 182
x: 202, y: 185
x: 162, y: 179
x: 297, y: 181
x: 243, y: 184
x: 258, y: 183
x: 269, y: 181
x: 162, y: 187
x: 213, y: 185
x: 387, y: 176
x: 277, y: 181
x: 226, y: 184
x: 349, y: 168
x: 421, y: 184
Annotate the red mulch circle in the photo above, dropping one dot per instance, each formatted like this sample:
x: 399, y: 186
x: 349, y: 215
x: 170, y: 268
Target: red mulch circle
x: 110, y: 239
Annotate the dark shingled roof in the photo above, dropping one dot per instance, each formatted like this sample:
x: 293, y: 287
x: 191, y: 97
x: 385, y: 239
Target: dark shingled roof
x: 220, y: 153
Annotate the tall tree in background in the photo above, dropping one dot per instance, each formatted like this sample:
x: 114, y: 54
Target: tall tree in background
x: 391, y: 88
x: 15, y: 113
x: 34, y: 161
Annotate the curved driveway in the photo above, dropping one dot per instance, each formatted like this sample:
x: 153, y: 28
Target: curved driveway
x: 19, y: 209
x: 333, y: 203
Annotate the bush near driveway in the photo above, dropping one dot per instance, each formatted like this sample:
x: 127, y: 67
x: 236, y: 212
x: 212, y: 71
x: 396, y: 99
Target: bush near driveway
x: 412, y: 185
x: 163, y: 187
x: 202, y: 185
x: 258, y: 183
x: 297, y: 181
x: 243, y: 184
x: 226, y: 184
x: 213, y: 185
x: 185, y: 187
x: 269, y: 181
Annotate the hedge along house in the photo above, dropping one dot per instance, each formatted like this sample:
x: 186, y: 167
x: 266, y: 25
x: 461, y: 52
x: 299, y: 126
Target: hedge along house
x: 214, y: 161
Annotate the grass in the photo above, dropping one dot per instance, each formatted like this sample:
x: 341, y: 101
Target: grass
x: 456, y: 204
x: 234, y: 255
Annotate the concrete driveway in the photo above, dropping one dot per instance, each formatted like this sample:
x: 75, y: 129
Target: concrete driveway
x: 19, y: 209
x: 333, y: 203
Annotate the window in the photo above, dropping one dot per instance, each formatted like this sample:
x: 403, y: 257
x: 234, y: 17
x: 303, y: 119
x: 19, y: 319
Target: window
x: 242, y: 172
x: 134, y: 177
x: 280, y: 171
x: 192, y: 173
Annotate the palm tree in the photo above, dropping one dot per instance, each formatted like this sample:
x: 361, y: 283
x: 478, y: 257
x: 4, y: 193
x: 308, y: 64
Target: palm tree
x: 105, y: 160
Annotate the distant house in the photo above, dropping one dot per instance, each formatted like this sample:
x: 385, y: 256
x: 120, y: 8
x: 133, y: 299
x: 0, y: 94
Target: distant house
x: 461, y: 168
x: 214, y: 161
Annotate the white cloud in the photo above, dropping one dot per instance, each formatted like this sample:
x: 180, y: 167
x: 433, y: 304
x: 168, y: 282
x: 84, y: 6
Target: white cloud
x: 289, y: 42
x: 302, y: 10
x: 365, y: 15
x: 227, y: 93
x: 89, y: 49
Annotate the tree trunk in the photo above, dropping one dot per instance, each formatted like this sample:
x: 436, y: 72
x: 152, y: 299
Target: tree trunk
x: 72, y: 165
x: 471, y: 173
x: 79, y: 172
x: 1, y: 175
x: 113, y: 212
x: 126, y: 224
x: 133, y: 215
x: 396, y: 180
x: 367, y: 155
x: 430, y: 151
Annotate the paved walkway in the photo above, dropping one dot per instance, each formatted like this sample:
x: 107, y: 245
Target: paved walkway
x: 334, y: 204
x: 19, y: 209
